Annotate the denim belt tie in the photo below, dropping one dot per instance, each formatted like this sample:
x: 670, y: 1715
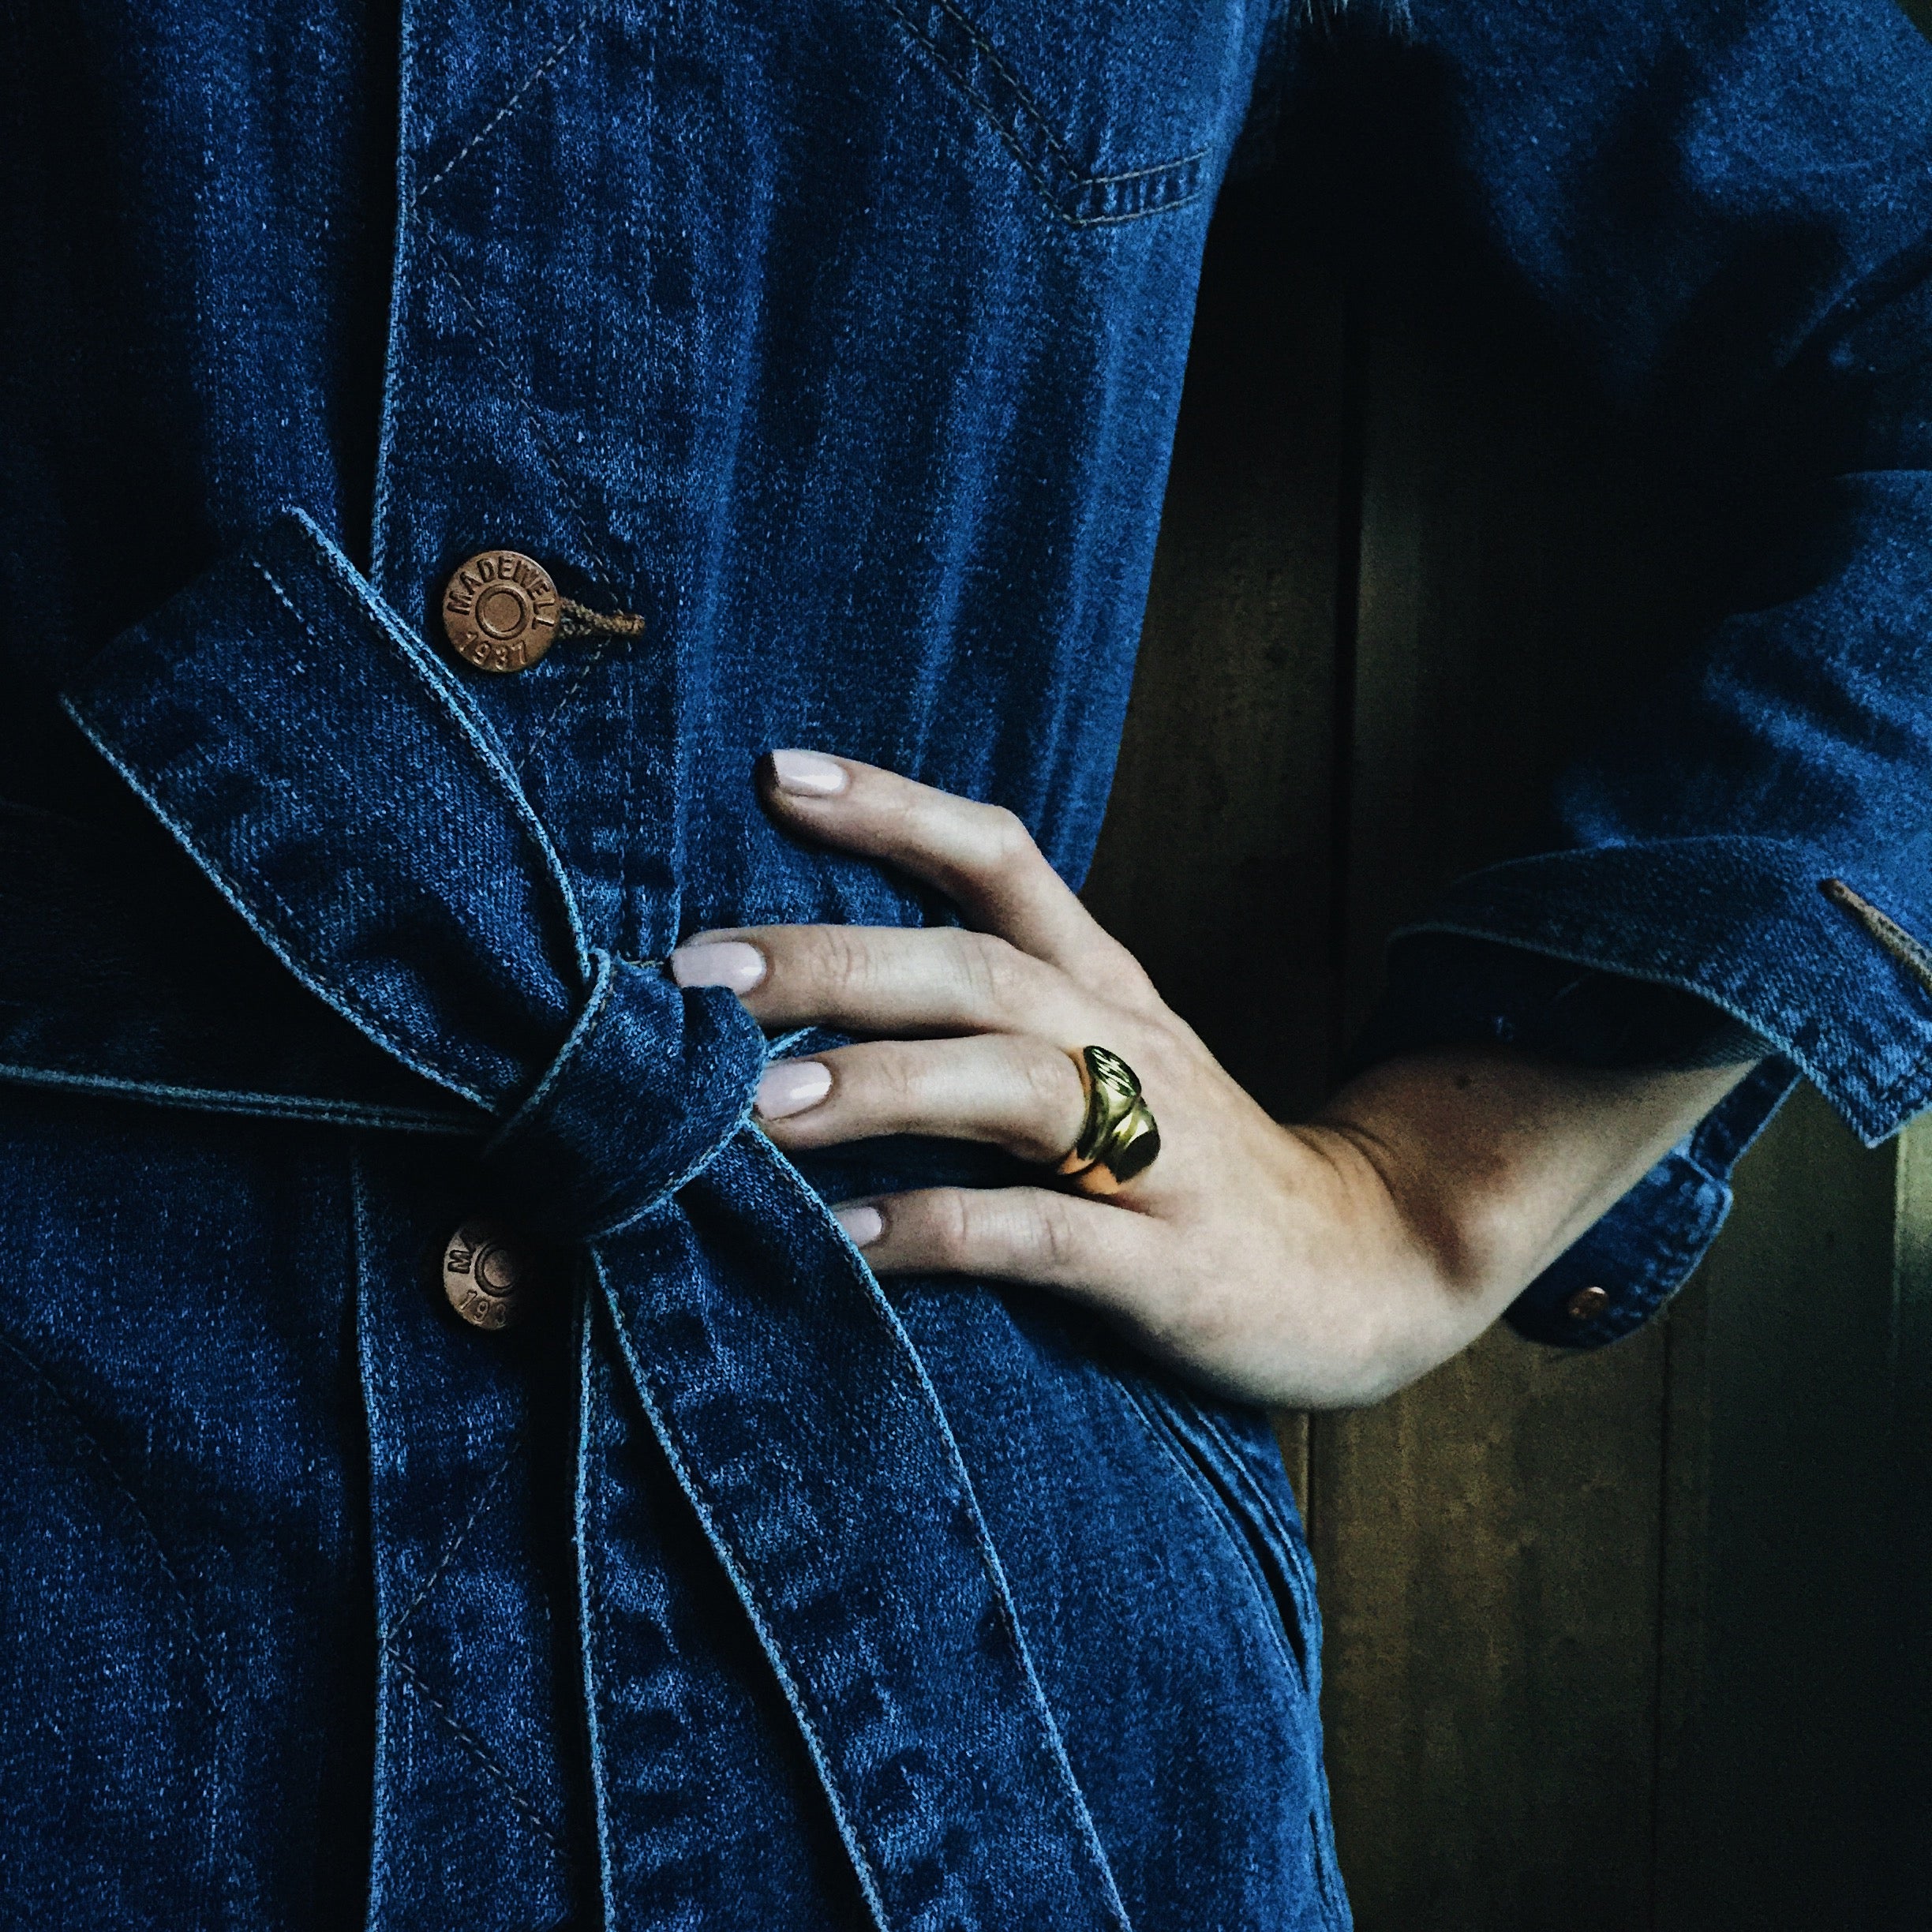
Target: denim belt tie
x: 604, y: 1137
x: 332, y: 778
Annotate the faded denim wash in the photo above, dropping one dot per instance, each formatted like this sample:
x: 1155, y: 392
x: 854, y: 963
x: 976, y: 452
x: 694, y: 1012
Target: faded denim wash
x: 841, y: 340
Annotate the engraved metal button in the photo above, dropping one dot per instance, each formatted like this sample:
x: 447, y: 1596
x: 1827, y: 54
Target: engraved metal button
x: 501, y: 610
x: 1587, y: 1304
x: 487, y: 1278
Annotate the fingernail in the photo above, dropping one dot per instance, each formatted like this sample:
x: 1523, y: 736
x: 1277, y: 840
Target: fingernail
x: 791, y: 1086
x: 808, y: 774
x: 723, y: 963
x: 863, y: 1225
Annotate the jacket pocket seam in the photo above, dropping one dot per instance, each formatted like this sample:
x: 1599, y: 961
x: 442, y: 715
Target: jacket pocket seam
x: 1293, y: 1540
x: 1078, y: 197
x: 1219, y: 1509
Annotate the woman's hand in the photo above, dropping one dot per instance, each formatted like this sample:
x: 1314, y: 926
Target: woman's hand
x: 1312, y: 1265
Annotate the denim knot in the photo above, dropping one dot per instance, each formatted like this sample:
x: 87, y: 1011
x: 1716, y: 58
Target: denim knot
x: 652, y: 1084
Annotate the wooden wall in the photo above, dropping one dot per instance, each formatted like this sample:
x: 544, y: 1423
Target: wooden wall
x: 1632, y: 1639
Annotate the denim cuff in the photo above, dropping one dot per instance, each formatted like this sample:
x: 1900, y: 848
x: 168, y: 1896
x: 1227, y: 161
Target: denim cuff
x: 1812, y: 950
x: 1646, y: 1248
x: 1450, y: 989
x: 1453, y: 989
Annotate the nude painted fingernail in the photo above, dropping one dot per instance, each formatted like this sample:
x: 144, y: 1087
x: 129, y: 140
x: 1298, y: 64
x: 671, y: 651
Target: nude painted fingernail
x: 808, y: 774
x: 863, y: 1225
x: 722, y: 963
x: 791, y: 1086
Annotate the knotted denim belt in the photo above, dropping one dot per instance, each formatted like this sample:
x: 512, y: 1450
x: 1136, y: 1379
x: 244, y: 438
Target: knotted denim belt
x: 329, y: 776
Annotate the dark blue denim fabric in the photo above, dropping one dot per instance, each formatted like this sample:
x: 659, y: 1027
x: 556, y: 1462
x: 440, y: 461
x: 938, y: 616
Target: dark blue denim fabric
x: 727, y: 1592
x: 345, y: 796
x: 841, y: 340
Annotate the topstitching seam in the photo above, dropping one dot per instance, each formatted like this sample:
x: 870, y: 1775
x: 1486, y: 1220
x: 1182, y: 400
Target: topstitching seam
x: 699, y: 1163
x: 572, y: 502
x: 565, y: 699
x: 587, y: 1023
x: 475, y: 746
x: 806, y: 1704
x: 241, y: 1101
x: 503, y: 113
x: 1913, y: 1079
x: 1004, y: 1611
x: 981, y: 1536
x: 589, y: 1502
x: 374, y: 1390
x: 578, y: 516
x: 501, y: 777
x: 449, y: 1551
x: 120, y: 1482
x: 450, y: 702
x: 274, y: 936
x: 997, y: 63
x: 527, y: 823
x: 481, y: 1754
x: 1139, y: 174
x: 287, y: 927
x: 1116, y: 221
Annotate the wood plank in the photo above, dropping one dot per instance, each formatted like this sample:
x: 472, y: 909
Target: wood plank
x: 1488, y: 1540
x: 1789, y: 1714
x: 1489, y: 1548
x: 1909, y: 1767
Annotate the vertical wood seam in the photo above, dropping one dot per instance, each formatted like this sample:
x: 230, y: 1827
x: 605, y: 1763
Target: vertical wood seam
x: 1350, y: 474
x: 1661, y: 1639
x: 1350, y: 486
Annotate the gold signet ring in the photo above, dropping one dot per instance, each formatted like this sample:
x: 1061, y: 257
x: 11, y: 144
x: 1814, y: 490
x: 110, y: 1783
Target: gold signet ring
x: 1118, y: 1137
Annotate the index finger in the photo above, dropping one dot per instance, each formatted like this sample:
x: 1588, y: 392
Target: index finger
x: 981, y: 856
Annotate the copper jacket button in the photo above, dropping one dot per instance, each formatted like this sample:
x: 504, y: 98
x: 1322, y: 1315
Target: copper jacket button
x: 1587, y: 1304
x: 487, y: 1280
x: 499, y: 610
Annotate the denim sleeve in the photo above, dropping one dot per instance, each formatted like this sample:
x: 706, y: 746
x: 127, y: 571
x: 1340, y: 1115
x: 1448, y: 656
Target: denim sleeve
x: 1725, y: 207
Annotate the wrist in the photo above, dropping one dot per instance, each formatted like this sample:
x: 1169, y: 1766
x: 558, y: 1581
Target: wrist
x: 1494, y: 1163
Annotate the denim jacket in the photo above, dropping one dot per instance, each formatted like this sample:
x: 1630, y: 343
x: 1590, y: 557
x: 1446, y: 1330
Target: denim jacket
x: 839, y: 342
